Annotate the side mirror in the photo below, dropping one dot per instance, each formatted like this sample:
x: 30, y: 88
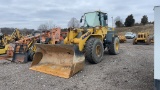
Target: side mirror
x: 81, y: 20
x: 105, y: 17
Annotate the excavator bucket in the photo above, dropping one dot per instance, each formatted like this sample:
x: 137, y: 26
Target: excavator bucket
x: 58, y: 60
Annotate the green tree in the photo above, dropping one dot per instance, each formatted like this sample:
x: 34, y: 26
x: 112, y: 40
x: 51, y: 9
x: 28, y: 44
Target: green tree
x: 144, y: 20
x: 118, y: 24
x: 129, y: 22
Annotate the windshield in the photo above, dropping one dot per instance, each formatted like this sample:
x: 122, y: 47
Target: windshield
x: 1, y: 34
x: 36, y: 34
x: 91, y: 19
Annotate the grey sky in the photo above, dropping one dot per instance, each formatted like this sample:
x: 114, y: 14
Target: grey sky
x: 32, y: 13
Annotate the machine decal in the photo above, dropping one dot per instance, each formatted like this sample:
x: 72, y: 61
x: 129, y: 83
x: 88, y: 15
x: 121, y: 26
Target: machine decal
x: 86, y: 35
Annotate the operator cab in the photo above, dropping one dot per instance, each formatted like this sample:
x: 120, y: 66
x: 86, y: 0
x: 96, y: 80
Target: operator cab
x: 1, y: 35
x: 94, y: 19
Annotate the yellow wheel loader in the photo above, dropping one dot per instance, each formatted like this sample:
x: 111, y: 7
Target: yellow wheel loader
x: 142, y: 37
x: 87, y: 42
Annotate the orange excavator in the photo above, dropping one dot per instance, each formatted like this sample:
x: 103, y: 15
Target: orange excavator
x: 25, y: 49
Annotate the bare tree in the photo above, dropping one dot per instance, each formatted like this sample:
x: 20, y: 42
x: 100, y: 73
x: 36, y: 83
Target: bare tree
x: 50, y: 25
x: 118, y: 18
x: 42, y: 27
x: 118, y: 21
x: 47, y: 26
x: 73, y: 23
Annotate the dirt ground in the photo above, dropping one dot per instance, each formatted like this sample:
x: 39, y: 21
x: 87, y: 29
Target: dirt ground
x: 132, y: 69
x: 147, y: 28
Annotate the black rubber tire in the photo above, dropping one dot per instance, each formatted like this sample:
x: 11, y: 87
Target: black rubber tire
x: 90, y: 50
x: 38, y: 40
x: 47, y: 40
x: 25, y: 58
x: 30, y: 55
x: 112, y: 47
x: 60, y: 42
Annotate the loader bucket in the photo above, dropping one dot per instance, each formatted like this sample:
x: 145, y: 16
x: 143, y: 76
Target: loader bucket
x: 58, y: 60
x: 20, y: 53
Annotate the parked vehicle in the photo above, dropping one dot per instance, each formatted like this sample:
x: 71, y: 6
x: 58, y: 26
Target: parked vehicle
x: 130, y: 35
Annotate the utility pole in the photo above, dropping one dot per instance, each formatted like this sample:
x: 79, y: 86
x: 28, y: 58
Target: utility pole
x: 112, y: 21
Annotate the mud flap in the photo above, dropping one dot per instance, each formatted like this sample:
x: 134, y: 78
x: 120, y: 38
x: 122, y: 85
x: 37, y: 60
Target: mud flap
x: 58, y: 60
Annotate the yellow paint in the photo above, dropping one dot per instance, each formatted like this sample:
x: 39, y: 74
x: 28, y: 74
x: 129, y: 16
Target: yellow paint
x: 98, y: 32
x: 122, y: 38
x: 4, y: 50
x: 142, y: 36
x: 64, y: 60
x: 55, y: 70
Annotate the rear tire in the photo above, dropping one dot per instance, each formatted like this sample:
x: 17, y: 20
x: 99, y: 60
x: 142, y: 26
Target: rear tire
x: 30, y: 55
x: 94, y: 50
x: 114, y: 47
x: 47, y: 40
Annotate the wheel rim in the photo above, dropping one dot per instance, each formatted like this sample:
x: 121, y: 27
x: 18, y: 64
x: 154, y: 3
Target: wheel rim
x: 117, y: 46
x: 98, y: 50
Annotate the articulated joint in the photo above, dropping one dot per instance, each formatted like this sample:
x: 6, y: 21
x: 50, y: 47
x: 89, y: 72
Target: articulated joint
x: 76, y: 40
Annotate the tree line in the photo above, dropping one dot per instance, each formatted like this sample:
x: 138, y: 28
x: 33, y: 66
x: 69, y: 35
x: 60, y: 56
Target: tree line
x: 74, y: 23
x: 130, y: 21
x: 9, y: 31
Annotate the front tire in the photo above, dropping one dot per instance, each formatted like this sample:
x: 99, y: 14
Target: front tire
x: 94, y: 50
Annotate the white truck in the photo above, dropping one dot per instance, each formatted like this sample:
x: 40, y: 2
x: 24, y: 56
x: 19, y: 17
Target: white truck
x: 130, y: 35
x: 157, y: 47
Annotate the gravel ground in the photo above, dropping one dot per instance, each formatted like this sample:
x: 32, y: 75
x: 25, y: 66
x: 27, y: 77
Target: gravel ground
x: 132, y: 69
